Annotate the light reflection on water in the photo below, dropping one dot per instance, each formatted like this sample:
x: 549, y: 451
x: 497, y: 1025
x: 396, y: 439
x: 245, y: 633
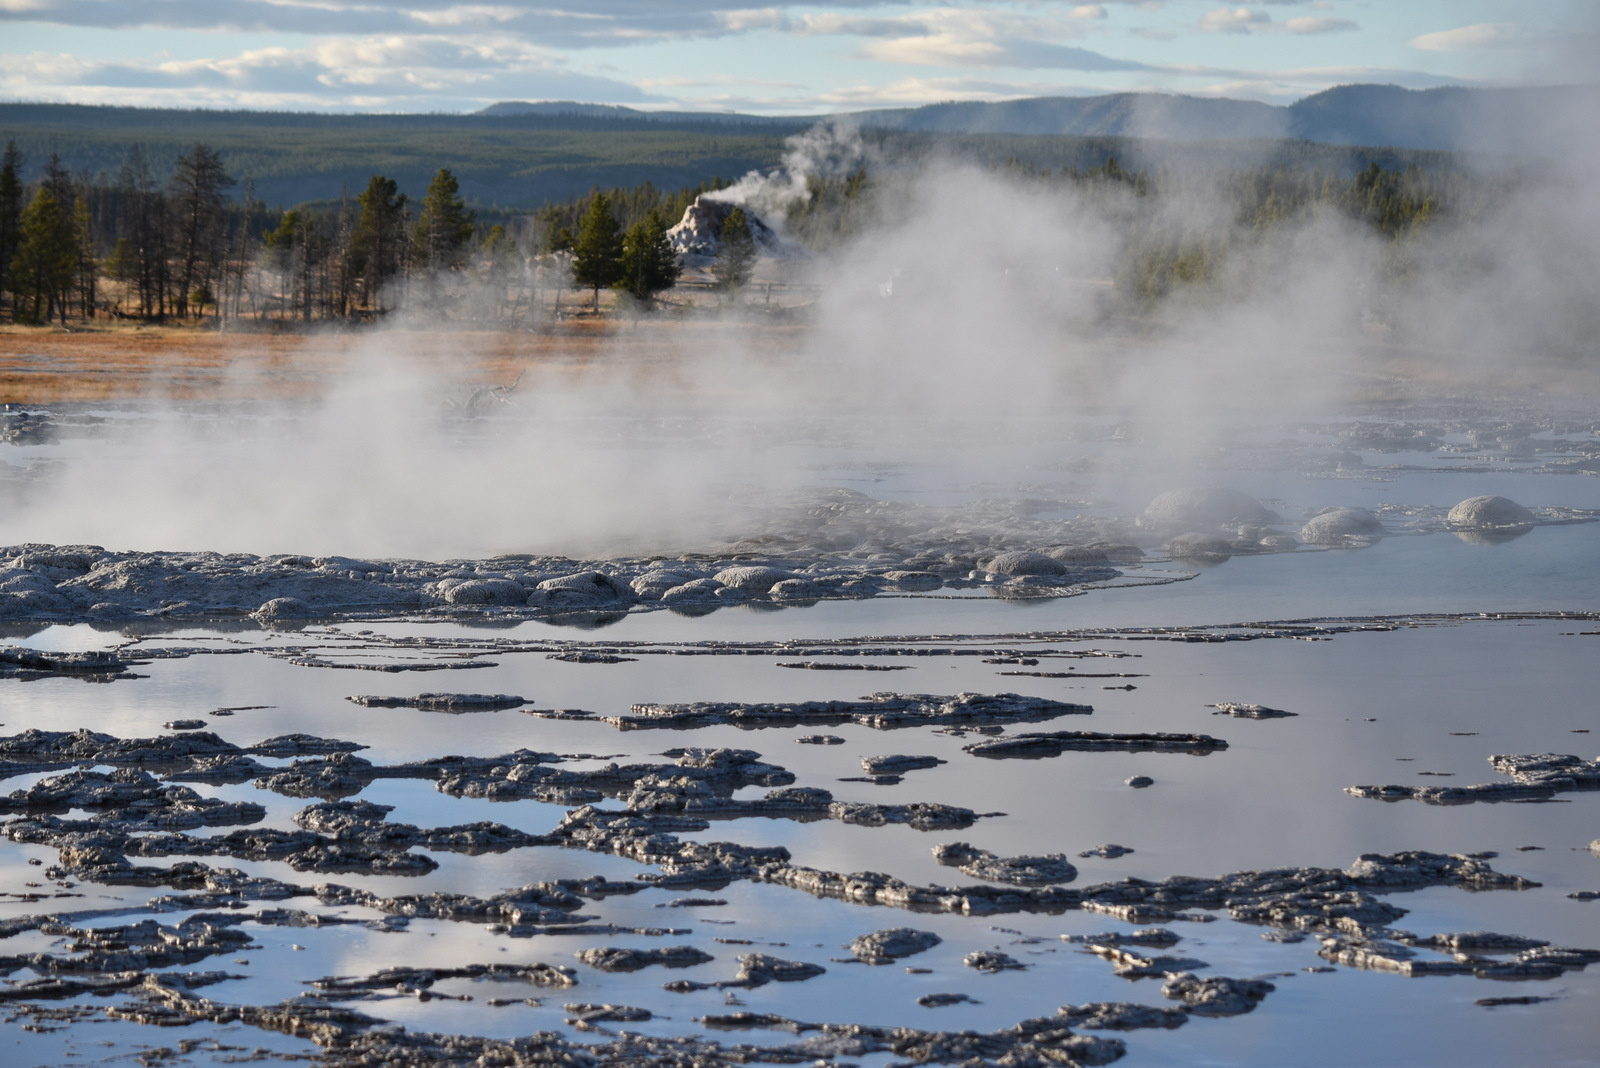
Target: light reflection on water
x: 1444, y: 696
x: 1372, y: 708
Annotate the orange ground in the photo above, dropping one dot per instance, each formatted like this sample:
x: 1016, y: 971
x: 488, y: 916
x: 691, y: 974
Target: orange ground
x: 42, y: 365
x: 110, y: 363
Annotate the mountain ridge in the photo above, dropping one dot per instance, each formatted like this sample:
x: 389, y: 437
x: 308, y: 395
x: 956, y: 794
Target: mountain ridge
x: 1450, y: 118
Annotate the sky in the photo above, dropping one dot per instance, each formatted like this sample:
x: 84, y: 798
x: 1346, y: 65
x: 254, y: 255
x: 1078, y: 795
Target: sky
x: 784, y: 59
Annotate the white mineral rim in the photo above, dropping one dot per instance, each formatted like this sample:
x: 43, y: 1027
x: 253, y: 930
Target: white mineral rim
x: 1489, y: 513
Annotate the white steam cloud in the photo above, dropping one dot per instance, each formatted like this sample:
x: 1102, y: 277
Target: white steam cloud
x: 829, y: 149
x: 967, y: 339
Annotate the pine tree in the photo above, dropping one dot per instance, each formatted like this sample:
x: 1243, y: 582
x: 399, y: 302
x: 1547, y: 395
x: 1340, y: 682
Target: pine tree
x: 736, y: 252
x: 45, y: 261
x: 146, y: 222
x: 10, y: 210
x: 198, y: 181
x: 597, y: 256
x: 649, y: 263
x: 84, y: 261
x: 377, y: 243
x: 444, y: 226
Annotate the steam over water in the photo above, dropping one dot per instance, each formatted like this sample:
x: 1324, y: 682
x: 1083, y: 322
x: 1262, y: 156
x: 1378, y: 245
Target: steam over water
x: 970, y: 335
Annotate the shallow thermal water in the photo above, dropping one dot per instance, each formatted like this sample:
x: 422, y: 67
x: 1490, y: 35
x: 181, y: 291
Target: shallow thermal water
x: 1422, y: 695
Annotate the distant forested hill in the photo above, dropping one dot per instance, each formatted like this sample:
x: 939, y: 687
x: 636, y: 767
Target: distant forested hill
x: 519, y: 160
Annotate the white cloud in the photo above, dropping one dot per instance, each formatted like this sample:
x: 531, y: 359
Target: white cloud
x: 1309, y: 25
x: 1088, y: 11
x: 746, y: 19
x: 599, y: 23
x: 465, y: 14
x: 1484, y: 37
x: 397, y: 71
x: 934, y: 50
x: 1233, y: 20
x: 967, y: 37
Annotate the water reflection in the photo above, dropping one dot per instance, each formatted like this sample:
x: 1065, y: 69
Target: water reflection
x: 1493, y: 537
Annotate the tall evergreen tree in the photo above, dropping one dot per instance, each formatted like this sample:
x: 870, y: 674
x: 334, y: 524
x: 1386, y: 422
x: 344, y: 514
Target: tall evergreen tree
x: 649, y: 263
x: 85, y: 263
x: 45, y: 262
x: 597, y: 256
x: 11, y: 191
x: 145, y: 226
x: 196, y: 189
x: 378, y: 243
x: 58, y: 179
x: 444, y: 226
x: 736, y: 252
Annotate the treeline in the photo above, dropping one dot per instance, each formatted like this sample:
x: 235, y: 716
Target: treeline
x: 201, y: 246
x: 1169, y: 244
x: 1393, y: 202
x: 186, y: 249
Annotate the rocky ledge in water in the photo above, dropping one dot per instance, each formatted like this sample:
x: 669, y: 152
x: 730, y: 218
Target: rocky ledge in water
x: 880, y: 711
x: 1121, y: 1016
x: 1471, y: 954
x: 1148, y: 936
x: 1023, y: 871
x: 26, y: 665
x: 618, y: 959
x: 892, y: 943
x: 755, y: 969
x: 1216, y: 996
x: 199, y: 755
x: 898, y: 763
x: 444, y: 702
x: 418, y: 982
x: 992, y: 961
x: 1127, y: 964
x: 1534, y: 777
x: 1239, y: 710
x: 1036, y: 745
x: 52, y: 582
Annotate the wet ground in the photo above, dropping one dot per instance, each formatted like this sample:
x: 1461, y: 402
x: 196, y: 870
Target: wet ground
x: 671, y: 824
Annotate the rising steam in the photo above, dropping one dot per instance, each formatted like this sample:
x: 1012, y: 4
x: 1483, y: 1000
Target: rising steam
x: 974, y: 340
